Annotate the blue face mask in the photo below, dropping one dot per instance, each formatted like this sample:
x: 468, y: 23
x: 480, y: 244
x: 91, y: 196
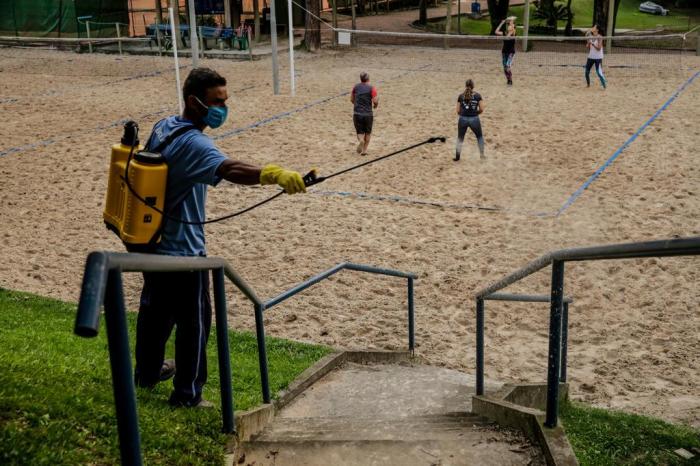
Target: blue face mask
x: 216, y: 116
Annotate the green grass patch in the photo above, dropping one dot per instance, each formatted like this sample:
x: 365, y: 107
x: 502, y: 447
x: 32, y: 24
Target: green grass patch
x: 56, y: 401
x: 602, y: 437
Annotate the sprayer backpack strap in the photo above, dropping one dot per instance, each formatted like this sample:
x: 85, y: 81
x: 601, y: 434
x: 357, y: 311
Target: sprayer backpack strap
x: 151, y: 246
x: 170, y: 138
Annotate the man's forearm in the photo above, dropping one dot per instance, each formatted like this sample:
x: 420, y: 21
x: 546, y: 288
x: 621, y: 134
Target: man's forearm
x: 239, y: 172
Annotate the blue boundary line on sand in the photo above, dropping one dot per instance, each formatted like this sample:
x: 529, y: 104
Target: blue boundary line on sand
x: 48, y: 142
x: 624, y: 146
x: 233, y: 132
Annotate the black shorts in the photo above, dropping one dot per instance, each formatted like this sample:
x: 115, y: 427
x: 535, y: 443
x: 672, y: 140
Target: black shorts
x: 363, y: 123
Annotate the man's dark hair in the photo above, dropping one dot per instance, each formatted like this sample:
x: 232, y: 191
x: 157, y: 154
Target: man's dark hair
x: 364, y: 77
x: 199, y: 80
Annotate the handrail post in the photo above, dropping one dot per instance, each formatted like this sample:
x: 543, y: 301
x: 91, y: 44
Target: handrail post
x: 564, y: 340
x: 224, y: 352
x: 554, y: 343
x: 411, y: 317
x: 262, y: 352
x: 122, y: 376
x: 480, y: 346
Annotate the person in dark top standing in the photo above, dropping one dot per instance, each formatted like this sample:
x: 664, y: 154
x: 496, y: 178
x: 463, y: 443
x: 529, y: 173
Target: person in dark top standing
x: 364, y: 99
x: 508, y: 49
x: 469, y: 106
x: 181, y: 299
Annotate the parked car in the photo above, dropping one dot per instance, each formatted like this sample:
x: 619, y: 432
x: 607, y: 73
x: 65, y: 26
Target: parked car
x: 653, y: 8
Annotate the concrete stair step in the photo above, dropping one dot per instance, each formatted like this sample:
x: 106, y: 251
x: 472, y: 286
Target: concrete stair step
x: 483, y: 452
x: 346, y: 428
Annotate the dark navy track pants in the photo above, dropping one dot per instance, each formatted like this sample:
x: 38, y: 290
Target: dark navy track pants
x: 178, y: 299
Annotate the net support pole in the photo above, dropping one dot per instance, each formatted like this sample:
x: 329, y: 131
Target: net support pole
x: 609, y: 29
x: 526, y: 24
x: 201, y: 41
x: 292, y: 83
x: 273, y: 40
x: 177, y: 64
x: 119, y: 38
x: 160, y: 52
x: 194, y: 41
x: 227, y: 13
x: 87, y: 30
x: 459, y: 16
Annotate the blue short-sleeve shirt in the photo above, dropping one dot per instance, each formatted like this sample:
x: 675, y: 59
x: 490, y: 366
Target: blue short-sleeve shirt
x: 193, y: 160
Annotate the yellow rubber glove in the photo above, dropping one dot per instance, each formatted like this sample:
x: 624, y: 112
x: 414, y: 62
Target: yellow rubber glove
x: 291, y: 181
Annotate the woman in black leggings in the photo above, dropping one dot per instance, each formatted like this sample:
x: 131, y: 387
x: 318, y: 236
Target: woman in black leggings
x: 469, y: 106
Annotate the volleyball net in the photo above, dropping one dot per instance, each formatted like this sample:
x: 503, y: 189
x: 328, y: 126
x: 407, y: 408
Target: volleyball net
x: 629, y: 51
x: 547, y: 54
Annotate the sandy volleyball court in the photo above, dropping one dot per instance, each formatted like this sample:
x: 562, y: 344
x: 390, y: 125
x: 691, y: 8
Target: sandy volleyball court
x: 634, y: 326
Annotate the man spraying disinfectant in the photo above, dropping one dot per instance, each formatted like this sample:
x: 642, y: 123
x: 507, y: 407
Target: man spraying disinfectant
x: 182, y: 299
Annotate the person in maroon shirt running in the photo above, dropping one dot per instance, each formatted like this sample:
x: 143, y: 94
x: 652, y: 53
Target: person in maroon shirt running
x: 364, y: 98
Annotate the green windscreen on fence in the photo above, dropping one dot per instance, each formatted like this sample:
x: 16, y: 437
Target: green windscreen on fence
x: 62, y: 18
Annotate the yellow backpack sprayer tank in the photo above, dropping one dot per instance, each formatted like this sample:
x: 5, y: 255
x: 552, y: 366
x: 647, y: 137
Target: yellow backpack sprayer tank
x: 135, y: 191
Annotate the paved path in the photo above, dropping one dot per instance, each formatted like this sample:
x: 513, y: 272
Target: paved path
x: 407, y: 415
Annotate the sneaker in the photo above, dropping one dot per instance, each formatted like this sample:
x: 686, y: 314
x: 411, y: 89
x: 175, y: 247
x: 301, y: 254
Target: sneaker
x: 363, y: 153
x: 167, y: 371
x: 359, y: 147
x: 204, y: 404
x: 456, y: 159
x: 510, y: 83
x: 176, y: 403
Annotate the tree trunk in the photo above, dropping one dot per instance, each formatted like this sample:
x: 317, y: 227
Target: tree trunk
x: 360, y: 7
x: 448, y: 21
x: 423, y: 12
x: 256, y: 20
x: 569, y: 20
x: 235, y: 13
x: 334, y: 5
x: 159, y: 12
x: 600, y: 15
x: 498, y: 9
x: 312, y: 31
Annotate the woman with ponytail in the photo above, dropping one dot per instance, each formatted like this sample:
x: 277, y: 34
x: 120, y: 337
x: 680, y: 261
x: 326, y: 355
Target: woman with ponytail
x: 469, y: 106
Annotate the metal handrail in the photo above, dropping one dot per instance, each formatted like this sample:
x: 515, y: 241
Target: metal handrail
x: 659, y: 248
x: 102, y: 284
x: 358, y: 268
x: 558, y: 322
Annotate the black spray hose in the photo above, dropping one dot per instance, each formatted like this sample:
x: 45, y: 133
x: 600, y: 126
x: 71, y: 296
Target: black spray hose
x: 310, y: 179
x: 316, y: 180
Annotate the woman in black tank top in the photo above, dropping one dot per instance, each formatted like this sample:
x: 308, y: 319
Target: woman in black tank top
x: 469, y: 106
x: 508, y: 50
